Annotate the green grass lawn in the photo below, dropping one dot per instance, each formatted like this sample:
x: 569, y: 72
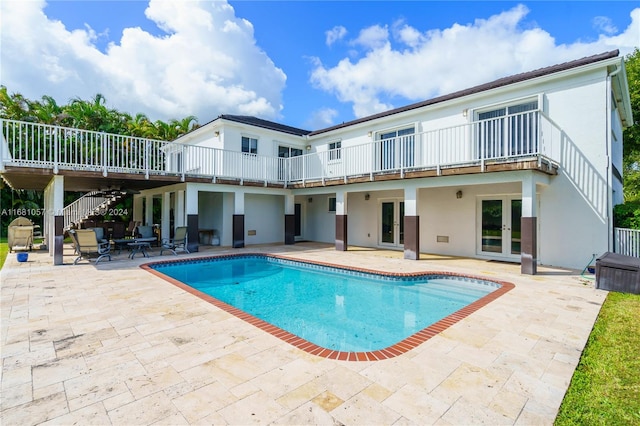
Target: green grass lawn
x: 4, y: 249
x: 605, y: 388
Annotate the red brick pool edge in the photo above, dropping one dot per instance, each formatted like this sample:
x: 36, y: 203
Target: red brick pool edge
x: 399, y: 348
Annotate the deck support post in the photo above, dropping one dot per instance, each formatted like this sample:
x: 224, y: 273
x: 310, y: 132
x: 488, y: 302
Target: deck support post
x: 341, y: 221
x: 238, y: 220
x: 148, y: 210
x: 289, y: 220
x: 191, y: 207
x: 529, y: 227
x: 165, y: 222
x: 54, y: 210
x: 411, y: 224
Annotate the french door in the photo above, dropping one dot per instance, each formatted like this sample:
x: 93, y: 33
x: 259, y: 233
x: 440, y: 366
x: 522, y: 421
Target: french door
x: 499, y: 227
x: 391, y: 231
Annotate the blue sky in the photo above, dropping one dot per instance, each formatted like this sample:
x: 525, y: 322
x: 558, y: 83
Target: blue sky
x: 308, y: 64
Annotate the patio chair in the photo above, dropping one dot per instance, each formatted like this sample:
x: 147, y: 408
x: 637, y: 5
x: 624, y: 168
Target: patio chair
x: 131, y: 229
x: 99, y: 234
x: 87, y: 245
x: 177, y: 243
x: 146, y: 233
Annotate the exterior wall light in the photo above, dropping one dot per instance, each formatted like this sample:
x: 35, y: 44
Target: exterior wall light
x: 459, y: 194
x: 367, y: 196
x: 310, y: 200
x: 217, y: 133
x: 308, y: 147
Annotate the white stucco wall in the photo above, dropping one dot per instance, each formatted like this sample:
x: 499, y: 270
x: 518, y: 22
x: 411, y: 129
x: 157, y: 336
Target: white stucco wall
x: 264, y: 214
x: 210, y: 212
x: 318, y: 223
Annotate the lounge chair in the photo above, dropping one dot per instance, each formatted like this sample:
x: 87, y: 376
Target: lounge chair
x: 20, y: 234
x: 87, y: 245
x: 177, y: 243
x: 21, y: 238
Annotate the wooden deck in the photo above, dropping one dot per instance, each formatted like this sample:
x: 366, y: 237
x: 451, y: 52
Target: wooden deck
x: 33, y: 178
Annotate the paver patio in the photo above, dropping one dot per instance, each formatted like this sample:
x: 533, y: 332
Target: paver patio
x: 113, y: 344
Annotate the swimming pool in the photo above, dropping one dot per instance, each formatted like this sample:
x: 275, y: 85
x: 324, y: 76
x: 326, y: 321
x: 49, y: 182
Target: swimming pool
x: 331, y: 310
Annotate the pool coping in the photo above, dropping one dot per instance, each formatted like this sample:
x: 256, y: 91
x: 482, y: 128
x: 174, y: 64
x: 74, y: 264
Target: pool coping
x: 392, y: 351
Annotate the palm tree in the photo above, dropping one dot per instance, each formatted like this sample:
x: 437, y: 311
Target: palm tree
x: 13, y: 107
x: 141, y: 126
x: 186, y: 125
x: 47, y: 111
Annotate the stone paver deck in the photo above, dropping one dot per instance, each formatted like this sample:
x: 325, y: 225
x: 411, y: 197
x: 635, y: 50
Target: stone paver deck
x: 114, y: 344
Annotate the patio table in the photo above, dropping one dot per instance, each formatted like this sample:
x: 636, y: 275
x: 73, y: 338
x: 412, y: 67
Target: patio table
x: 139, y: 247
x: 120, y: 244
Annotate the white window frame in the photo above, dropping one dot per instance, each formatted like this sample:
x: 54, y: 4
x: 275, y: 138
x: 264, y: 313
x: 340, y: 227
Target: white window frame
x: 251, y: 151
x: 335, y: 151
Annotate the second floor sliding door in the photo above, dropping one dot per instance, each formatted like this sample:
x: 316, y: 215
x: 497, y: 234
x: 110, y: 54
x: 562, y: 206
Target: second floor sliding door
x: 396, y: 149
x: 509, y: 131
x: 286, y: 152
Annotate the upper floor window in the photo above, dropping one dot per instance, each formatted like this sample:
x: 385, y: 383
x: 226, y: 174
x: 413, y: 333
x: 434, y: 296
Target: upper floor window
x: 335, y: 150
x: 249, y: 145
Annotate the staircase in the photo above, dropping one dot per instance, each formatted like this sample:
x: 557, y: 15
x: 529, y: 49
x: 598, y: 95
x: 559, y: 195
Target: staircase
x: 90, y: 204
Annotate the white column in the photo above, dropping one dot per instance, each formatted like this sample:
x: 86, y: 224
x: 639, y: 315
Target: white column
x: 411, y: 201
x: 289, y: 204
x: 166, y: 222
x: 192, y: 220
x: 341, y: 202
x: 179, y: 209
x: 54, y: 193
x: 341, y: 240
x: 529, y: 198
x: 411, y: 222
x: 238, y: 202
x: 529, y: 226
x: 148, y: 210
x: 191, y: 200
x: 138, y: 213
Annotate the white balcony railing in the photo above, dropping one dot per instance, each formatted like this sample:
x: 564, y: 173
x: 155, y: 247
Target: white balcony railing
x: 526, y: 135
x: 627, y: 241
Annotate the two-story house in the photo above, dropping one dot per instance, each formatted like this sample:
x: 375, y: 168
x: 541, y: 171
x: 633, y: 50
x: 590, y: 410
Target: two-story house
x: 526, y: 168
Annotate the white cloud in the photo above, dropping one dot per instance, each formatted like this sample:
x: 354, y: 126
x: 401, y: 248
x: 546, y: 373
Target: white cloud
x: 206, y: 64
x: 334, y: 34
x: 434, y: 62
x: 604, y: 24
x: 373, y: 37
x: 321, y: 118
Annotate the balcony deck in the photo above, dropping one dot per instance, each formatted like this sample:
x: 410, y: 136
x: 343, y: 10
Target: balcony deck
x: 31, y: 153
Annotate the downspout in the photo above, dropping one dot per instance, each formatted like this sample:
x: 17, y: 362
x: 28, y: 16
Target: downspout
x: 610, y: 243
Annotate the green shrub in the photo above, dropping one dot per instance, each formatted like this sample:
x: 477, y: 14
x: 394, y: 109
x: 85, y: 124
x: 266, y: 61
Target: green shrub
x: 627, y: 215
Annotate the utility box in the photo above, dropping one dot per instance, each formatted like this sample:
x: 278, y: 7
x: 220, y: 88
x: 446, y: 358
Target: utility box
x: 616, y: 272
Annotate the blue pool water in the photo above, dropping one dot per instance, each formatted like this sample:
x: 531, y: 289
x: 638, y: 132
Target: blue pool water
x: 337, y: 309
